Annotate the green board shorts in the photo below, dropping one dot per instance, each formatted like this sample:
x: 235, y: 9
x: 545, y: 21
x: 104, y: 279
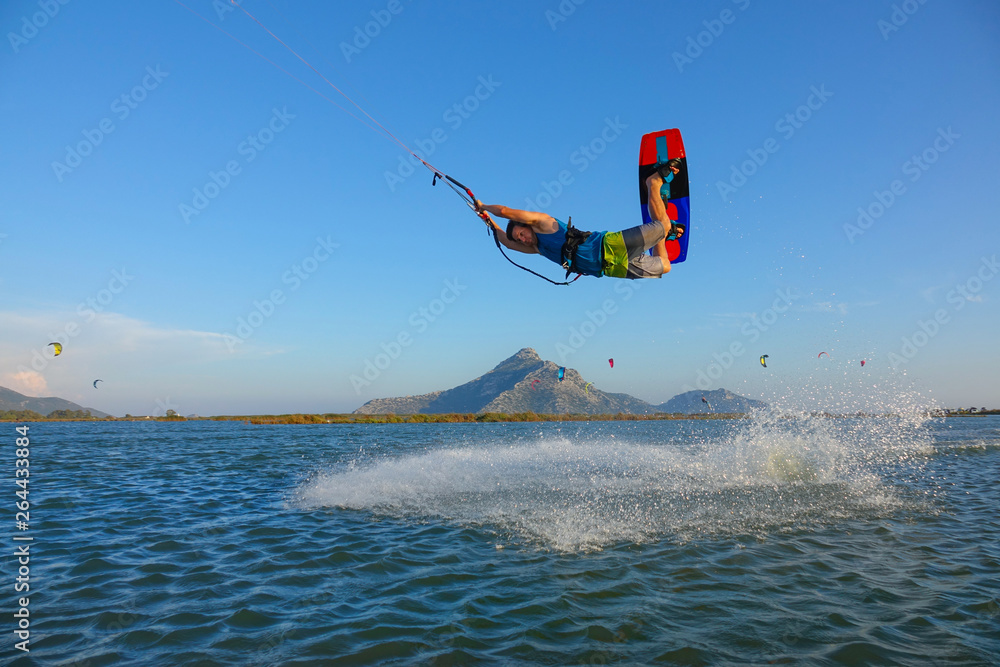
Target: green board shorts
x: 625, y: 252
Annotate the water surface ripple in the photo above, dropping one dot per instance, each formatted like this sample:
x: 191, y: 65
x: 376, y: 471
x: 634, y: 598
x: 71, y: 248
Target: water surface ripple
x: 846, y: 541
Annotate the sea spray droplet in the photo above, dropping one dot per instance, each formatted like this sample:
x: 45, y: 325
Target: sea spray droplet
x: 586, y: 493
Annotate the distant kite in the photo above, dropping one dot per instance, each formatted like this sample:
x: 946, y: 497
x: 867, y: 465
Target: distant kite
x: 705, y: 401
x: 95, y: 383
x: 611, y: 362
x: 762, y: 362
x: 562, y: 373
x: 586, y: 387
x: 534, y: 383
x: 57, y: 347
x: 821, y: 354
x: 862, y: 362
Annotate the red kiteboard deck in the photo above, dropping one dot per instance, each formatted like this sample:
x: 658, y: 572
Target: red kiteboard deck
x: 659, y: 147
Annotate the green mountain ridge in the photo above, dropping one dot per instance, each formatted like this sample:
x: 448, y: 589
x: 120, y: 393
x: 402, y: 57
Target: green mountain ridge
x: 12, y: 401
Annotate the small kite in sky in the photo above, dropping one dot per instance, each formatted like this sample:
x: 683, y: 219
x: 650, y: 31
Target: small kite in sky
x: 534, y: 383
x: 705, y: 401
x: 57, y: 347
x: 611, y: 362
x: 95, y: 383
x: 586, y: 387
x: 862, y: 362
x: 762, y: 362
x: 561, y: 373
x: 821, y: 354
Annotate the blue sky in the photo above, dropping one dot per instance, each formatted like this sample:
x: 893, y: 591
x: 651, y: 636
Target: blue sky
x: 304, y: 262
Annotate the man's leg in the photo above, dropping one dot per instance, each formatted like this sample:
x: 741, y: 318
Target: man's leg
x: 658, y: 212
x: 631, y: 244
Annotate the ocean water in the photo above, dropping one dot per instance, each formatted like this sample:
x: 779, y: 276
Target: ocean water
x: 769, y: 540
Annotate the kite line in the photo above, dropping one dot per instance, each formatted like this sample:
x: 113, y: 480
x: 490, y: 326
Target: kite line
x: 371, y: 122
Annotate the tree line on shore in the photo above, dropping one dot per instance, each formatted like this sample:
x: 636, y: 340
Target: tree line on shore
x: 389, y: 418
x: 337, y: 418
x: 55, y: 415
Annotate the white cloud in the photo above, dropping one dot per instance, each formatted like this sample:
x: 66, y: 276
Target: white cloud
x: 107, y: 344
x: 140, y: 362
x: 29, y: 383
x: 106, y: 334
x: 929, y: 294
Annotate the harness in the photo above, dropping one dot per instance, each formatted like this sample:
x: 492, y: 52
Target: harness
x: 574, y: 238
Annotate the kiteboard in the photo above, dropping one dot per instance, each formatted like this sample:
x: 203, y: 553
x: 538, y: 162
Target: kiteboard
x: 656, y: 148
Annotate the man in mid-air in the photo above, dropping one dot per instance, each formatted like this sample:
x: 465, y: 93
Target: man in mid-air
x: 616, y: 254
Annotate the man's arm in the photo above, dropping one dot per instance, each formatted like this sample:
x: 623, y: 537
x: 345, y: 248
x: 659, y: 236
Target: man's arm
x: 540, y: 222
x: 502, y: 233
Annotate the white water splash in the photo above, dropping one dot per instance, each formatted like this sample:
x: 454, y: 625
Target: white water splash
x: 773, y: 473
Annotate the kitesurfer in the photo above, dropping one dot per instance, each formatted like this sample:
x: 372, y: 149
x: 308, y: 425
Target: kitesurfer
x: 616, y: 254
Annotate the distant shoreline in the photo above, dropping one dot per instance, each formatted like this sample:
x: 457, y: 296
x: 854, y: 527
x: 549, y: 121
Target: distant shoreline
x: 448, y: 418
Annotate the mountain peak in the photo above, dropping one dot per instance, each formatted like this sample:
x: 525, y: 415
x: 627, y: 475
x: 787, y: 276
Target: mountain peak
x: 524, y: 356
x: 524, y: 382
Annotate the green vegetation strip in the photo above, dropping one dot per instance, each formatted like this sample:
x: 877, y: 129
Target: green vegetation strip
x: 333, y: 418
x: 450, y: 418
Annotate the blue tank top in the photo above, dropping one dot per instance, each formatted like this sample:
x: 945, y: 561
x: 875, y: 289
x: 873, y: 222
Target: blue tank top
x: 589, y: 257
